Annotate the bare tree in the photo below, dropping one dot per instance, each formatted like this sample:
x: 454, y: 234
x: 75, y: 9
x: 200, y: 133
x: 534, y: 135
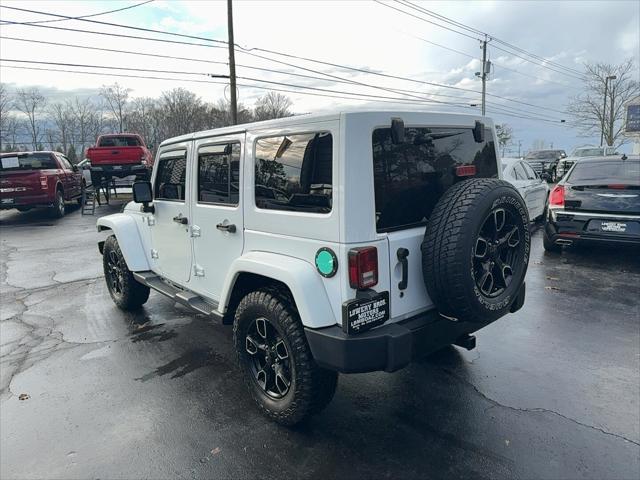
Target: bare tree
x: 272, y: 105
x: 588, y: 108
x: 8, y: 122
x: 221, y: 113
x: 116, y: 97
x: 61, y: 115
x: 87, y: 123
x: 505, y: 135
x: 140, y: 118
x: 32, y: 103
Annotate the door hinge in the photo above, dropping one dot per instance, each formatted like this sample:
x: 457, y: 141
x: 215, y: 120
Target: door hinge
x: 154, y: 253
x: 198, y: 271
x: 151, y: 220
x: 195, y: 230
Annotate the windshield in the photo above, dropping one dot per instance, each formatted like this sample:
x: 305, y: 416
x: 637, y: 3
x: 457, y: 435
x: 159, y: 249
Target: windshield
x: 27, y: 161
x: 588, y: 152
x: 607, y: 171
x: 124, y: 141
x: 543, y: 154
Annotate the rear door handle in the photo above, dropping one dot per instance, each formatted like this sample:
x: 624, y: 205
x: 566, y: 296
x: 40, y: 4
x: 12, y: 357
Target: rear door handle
x: 402, y: 254
x: 231, y: 228
x: 181, y: 220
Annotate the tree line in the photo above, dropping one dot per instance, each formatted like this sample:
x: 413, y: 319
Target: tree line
x: 29, y: 121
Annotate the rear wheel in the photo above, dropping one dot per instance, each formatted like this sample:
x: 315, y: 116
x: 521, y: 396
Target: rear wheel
x: 58, y: 209
x: 125, y: 291
x: 276, y: 361
x: 476, y: 250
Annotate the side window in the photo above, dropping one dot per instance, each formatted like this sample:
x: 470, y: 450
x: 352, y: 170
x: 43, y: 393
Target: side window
x: 64, y: 162
x: 294, y: 172
x: 170, y: 177
x: 518, y: 171
x: 219, y: 174
x: 531, y: 175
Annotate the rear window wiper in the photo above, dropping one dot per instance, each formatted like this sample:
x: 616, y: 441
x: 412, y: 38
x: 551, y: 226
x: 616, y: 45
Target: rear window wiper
x: 430, y: 137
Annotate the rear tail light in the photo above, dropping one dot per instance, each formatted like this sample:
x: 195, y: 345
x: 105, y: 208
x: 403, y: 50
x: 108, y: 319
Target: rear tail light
x: 363, y: 267
x: 556, y: 197
x: 617, y: 186
x: 466, y: 171
x: 43, y: 182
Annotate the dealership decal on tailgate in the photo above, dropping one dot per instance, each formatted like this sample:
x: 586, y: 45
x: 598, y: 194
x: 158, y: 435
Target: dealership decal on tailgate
x: 364, y: 313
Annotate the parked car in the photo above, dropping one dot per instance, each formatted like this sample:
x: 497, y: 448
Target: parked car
x: 544, y: 162
x: 533, y: 189
x: 336, y: 243
x: 119, y: 155
x: 598, y: 201
x: 38, y: 179
x: 582, y: 152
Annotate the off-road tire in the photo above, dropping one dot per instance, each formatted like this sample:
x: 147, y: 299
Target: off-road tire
x: 58, y: 209
x: 132, y: 294
x: 451, y: 242
x: 548, y: 244
x: 83, y: 190
x: 311, y: 388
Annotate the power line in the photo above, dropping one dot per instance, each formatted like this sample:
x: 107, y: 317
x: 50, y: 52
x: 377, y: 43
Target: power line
x: 249, y: 51
x: 92, y: 15
x: 479, y: 32
x: 344, y: 95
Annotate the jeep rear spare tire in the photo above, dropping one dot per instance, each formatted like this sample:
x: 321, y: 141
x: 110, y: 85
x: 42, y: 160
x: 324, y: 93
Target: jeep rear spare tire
x: 476, y: 250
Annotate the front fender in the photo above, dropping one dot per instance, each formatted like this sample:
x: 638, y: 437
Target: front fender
x: 126, y: 231
x: 301, y: 277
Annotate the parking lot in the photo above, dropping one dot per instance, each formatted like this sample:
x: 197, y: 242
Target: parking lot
x: 87, y: 390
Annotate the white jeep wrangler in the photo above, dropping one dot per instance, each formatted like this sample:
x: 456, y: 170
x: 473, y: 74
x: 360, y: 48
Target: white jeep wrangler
x: 352, y: 242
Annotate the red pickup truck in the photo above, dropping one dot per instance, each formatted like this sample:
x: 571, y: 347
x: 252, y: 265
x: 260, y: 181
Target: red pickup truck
x: 38, y: 179
x: 119, y: 155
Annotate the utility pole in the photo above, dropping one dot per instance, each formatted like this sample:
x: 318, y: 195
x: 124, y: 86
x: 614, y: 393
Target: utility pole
x: 232, y: 65
x: 484, y: 75
x: 519, y: 146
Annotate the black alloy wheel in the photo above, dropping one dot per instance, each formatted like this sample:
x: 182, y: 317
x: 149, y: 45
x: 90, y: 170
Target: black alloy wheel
x: 268, y: 357
x: 115, y: 273
x: 497, y: 248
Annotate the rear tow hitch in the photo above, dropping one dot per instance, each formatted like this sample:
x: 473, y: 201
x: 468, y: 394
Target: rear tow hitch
x: 466, y: 341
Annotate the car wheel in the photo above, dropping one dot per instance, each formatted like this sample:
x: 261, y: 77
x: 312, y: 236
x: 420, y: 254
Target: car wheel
x: 275, y: 359
x: 125, y: 291
x: 83, y: 190
x: 58, y: 209
x: 476, y: 250
x: 548, y: 244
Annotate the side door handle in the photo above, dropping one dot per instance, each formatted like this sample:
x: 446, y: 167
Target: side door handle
x: 402, y: 254
x: 231, y: 228
x: 181, y: 220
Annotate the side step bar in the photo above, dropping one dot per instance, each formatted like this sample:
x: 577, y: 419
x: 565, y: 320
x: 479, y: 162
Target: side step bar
x: 184, y: 297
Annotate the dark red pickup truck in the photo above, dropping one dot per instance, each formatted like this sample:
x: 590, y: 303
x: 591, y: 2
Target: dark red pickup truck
x: 38, y: 179
x: 119, y: 155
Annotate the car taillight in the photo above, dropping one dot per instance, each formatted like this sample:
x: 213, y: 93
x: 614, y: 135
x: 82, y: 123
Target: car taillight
x: 556, y: 197
x: 363, y: 267
x: 43, y: 182
x: 617, y: 186
x: 466, y: 171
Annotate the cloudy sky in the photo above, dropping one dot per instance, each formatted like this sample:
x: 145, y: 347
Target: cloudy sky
x: 363, y: 34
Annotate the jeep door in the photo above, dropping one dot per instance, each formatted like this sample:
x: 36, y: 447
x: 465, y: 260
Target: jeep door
x: 216, y: 199
x: 170, y: 241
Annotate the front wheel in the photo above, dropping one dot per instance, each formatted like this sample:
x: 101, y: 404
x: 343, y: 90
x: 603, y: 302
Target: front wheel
x: 125, y: 291
x: 276, y: 361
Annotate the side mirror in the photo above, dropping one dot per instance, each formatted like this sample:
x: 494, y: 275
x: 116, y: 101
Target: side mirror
x: 142, y: 194
x: 478, y: 132
x: 397, y: 131
x: 74, y: 167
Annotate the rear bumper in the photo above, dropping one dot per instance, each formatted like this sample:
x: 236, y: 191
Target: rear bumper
x: 575, y: 228
x: 121, y: 171
x: 39, y: 200
x: 387, y: 348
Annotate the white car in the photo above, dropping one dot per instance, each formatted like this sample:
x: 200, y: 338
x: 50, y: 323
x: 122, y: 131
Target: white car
x: 531, y: 187
x: 333, y: 243
x: 582, y: 152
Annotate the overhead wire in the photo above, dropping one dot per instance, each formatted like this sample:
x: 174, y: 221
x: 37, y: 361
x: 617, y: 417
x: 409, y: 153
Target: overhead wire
x: 128, y: 7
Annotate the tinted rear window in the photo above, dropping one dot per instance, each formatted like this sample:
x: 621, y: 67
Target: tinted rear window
x: 607, y: 171
x: 30, y: 161
x: 119, y: 142
x: 410, y: 178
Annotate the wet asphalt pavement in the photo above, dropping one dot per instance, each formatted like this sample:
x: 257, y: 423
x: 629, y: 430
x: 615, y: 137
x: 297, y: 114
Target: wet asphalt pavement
x: 550, y: 392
